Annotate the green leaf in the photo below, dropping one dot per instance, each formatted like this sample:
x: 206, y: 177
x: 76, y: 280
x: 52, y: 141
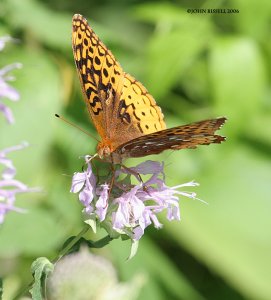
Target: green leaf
x: 102, y: 242
x: 238, y: 79
x: 258, y: 28
x: 92, y: 222
x: 171, y: 51
x: 174, y: 45
x: 165, y: 13
x: 40, y: 23
x: 40, y: 268
x: 134, y: 248
x: 74, y: 247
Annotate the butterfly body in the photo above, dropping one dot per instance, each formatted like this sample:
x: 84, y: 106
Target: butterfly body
x: 125, y: 114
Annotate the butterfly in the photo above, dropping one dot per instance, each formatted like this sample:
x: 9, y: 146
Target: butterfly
x: 125, y: 114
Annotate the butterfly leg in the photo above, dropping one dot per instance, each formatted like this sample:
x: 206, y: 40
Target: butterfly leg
x: 137, y: 175
x: 113, y: 170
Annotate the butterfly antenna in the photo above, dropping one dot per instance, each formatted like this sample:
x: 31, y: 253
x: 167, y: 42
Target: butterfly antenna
x: 74, y: 125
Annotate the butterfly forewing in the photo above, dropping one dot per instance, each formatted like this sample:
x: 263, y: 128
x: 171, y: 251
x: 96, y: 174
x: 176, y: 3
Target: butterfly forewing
x: 100, y: 74
x: 120, y: 106
x: 181, y: 137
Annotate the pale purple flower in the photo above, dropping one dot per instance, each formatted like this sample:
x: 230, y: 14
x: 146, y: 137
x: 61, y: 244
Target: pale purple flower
x: 6, y: 91
x: 128, y: 207
x: 130, y: 210
x: 85, y: 182
x: 102, y: 202
x: 10, y: 187
x: 10, y: 171
x: 139, y: 207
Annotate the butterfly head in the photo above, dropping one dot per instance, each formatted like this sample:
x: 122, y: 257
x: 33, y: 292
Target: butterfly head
x: 105, y: 151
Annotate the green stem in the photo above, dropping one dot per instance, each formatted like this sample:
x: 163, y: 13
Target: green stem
x: 71, y: 243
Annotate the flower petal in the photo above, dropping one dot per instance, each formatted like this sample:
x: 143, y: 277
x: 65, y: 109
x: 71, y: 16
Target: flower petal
x: 7, y: 113
x: 78, y: 181
x: 102, y: 203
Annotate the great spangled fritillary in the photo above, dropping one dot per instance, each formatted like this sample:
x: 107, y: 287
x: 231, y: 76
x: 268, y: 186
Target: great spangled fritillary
x: 126, y: 116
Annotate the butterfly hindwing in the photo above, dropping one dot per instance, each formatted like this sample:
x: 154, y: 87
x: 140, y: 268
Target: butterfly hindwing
x: 181, y: 137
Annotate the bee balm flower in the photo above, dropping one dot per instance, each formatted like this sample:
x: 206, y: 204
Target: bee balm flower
x: 129, y: 208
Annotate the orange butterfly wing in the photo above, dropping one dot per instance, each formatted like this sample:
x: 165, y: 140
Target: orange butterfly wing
x: 120, y: 106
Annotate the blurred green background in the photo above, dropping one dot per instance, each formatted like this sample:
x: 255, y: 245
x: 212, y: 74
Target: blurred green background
x: 196, y: 66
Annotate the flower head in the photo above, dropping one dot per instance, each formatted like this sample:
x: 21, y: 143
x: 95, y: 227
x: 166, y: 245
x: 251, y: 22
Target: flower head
x: 7, y: 91
x: 129, y: 208
x: 9, y: 186
x: 83, y: 275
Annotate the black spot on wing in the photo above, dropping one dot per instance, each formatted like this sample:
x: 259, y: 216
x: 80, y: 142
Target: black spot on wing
x: 105, y: 72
